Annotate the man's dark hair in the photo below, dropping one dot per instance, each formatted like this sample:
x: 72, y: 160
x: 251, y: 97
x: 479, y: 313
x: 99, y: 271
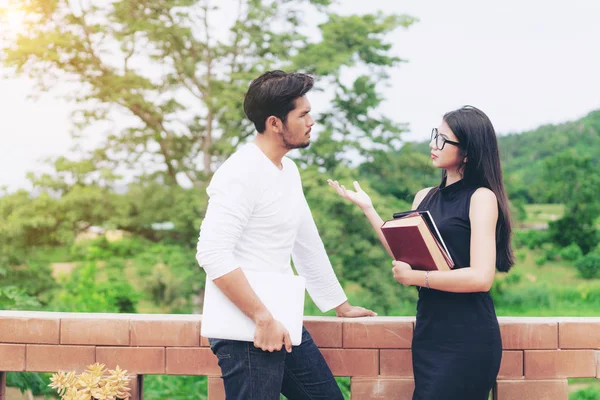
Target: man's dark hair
x: 274, y: 93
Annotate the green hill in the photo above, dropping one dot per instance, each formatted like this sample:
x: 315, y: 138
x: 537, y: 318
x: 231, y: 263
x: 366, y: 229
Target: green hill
x: 524, y: 154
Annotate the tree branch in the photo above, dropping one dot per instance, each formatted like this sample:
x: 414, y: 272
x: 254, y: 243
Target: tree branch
x: 154, y: 124
x: 180, y: 73
x: 129, y: 55
x: 236, y: 41
x: 207, y: 142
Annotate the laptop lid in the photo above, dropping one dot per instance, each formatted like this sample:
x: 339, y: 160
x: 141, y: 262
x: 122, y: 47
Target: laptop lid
x: 283, y: 295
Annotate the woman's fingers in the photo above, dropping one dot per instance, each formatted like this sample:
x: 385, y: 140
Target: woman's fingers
x: 336, y: 186
x: 341, y: 189
x: 348, y: 193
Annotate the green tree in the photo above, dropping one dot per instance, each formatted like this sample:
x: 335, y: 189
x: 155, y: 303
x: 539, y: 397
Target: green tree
x: 574, y: 180
x: 400, y: 173
x: 355, y: 252
x: 157, y: 211
x: 524, y: 155
x: 86, y: 290
x: 164, y: 65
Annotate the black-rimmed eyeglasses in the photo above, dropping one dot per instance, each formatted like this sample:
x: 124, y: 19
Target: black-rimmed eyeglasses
x: 441, y: 141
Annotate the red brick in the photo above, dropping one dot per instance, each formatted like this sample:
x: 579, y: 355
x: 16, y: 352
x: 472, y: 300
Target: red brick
x: 33, y: 329
x: 136, y: 384
x: 204, y: 342
x: 12, y: 357
x: 541, y: 364
x: 395, y: 363
x: 216, y: 390
x: 352, y: 362
x: 2, y: 385
x: 186, y: 361
x: 136, y: 360
x: 511, y: 366
x: 112, y: 332
x: 529, y: 333
x: 325, y: 331
x: 378, y: 333
x: 46, y: 358
x: 557, y: 389
x: 579, y: 333
x: 164, y: 331
x: 381, y: 388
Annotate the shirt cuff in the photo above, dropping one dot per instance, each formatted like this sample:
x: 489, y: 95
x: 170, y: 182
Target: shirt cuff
x: 331, y: 301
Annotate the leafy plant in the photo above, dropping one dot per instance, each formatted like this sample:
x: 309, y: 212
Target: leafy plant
x: 571, y: 253
x: 36, y: 383
x: 96, y: 383
x: 14, y: 298
x: 83, y: 291
x: 589, y: 265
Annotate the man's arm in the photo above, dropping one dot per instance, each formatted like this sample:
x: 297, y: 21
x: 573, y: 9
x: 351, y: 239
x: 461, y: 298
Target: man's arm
x: 229, y: 208
x: 311, y: 262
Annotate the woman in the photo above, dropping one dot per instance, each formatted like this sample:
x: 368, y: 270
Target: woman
x: 457, y: 347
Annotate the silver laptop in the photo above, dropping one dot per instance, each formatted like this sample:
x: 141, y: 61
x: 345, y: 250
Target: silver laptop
x: 283, y: 295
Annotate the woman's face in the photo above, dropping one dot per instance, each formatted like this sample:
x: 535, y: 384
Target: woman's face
x: 445, y: 155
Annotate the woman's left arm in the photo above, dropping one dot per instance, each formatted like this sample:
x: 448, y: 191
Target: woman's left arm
x: 483, y: 214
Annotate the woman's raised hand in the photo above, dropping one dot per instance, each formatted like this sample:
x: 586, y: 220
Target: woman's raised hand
x: 358, y: 197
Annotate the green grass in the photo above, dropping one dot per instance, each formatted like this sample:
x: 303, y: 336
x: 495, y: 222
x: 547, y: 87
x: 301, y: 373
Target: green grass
x: 557, y: 285
x: 566, y: 297
x: 175, y: 387
x: 543, y: 213
x: 584, y: 389
x: 552, y: 289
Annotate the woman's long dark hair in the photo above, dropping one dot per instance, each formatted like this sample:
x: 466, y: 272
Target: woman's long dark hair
x: 479, y: 145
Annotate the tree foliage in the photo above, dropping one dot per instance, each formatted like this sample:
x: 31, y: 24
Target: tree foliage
x: 176, y: 72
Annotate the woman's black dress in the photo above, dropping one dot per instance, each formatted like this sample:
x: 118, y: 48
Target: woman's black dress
x: 457, y: 346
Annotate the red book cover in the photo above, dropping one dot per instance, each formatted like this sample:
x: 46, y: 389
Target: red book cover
x: 411, y: 241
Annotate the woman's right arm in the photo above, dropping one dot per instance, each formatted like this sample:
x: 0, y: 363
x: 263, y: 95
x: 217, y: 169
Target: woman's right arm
x: 362, y: 199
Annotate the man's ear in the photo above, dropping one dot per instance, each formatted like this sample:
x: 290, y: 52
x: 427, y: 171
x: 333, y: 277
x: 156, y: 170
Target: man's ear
x: 274, y: 123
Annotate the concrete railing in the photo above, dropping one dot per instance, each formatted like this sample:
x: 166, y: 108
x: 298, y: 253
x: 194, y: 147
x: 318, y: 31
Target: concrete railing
x: 539, y: 353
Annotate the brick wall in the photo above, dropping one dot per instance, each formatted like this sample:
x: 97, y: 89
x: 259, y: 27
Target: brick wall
x: 539, y: 353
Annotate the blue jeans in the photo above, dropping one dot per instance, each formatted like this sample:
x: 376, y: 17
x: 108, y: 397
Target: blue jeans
x: 252, y: 374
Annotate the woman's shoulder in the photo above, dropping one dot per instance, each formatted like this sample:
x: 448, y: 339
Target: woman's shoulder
x: 483, y: 203
x: 421, y: 194
x: 483, y: 195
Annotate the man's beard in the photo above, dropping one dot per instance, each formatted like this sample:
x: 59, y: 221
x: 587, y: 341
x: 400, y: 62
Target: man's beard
x: 290, y: 145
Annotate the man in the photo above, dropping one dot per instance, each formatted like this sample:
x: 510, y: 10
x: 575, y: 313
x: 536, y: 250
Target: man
x: 257, y: 217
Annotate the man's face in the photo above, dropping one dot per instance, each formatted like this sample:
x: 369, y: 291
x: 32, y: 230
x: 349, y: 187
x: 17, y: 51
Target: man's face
x: 296, y: 130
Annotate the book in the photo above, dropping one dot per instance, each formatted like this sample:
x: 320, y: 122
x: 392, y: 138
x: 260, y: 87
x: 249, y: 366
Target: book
x: 414, y: 238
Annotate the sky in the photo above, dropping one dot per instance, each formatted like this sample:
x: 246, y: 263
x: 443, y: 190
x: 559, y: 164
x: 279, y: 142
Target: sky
x: 524, y: 63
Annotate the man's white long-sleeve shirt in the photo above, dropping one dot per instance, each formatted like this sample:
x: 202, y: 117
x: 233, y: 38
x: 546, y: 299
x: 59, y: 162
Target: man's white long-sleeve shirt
x: 257, y: 217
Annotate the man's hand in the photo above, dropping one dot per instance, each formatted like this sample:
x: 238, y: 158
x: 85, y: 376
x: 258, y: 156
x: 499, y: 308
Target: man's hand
x: 349, y: 311
x: 271, y: 335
